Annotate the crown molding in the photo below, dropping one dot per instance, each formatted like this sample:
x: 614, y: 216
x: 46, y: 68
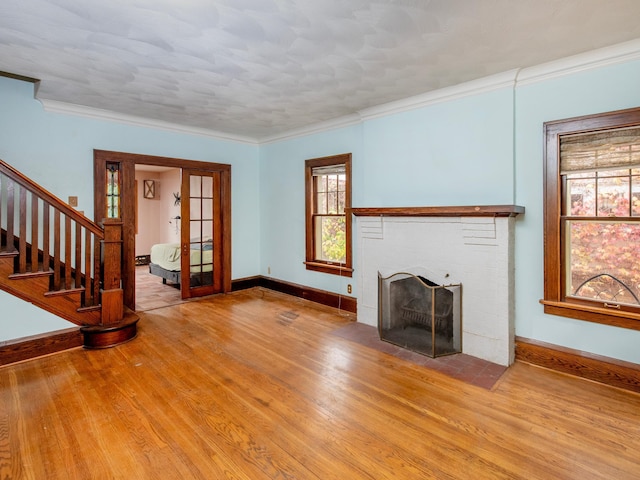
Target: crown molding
x: 486, y: 84
x: 54, y: 106
x: 340, y: 122
x: 474, y: 87
x: 602, y: 57
x: 620, y: 53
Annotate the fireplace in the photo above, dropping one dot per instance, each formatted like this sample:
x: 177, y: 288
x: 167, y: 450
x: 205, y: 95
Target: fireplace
x: 418, y: 314
x: 467, y: 245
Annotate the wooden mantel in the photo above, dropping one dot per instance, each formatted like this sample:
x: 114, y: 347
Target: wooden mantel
x: 454, y: 211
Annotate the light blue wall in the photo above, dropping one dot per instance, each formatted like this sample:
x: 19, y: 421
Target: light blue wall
x: 282, y: 203
x: 605, y: 89
x: 56, y: 151
x: 21, y: 319
x: 451, y: 153
x: 481, y: 149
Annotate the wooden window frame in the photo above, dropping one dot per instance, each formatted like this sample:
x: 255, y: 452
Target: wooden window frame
x: 555, y: 300
x: 342, y: 269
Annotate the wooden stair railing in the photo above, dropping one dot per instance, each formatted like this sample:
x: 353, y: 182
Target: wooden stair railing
x: 62, y: 252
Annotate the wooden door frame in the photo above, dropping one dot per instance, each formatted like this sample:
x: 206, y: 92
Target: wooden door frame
x: 128, y: 162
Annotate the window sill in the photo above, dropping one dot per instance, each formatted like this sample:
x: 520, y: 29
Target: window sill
x: 335, y: 269
x: 616, y: 318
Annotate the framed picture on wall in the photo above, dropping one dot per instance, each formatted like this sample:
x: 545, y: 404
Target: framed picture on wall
x: 149, y: 189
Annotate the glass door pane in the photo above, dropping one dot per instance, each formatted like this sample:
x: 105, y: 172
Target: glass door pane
x: 199, y: 235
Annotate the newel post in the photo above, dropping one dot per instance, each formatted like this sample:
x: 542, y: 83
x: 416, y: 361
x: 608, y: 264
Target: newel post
x: 112, y: 294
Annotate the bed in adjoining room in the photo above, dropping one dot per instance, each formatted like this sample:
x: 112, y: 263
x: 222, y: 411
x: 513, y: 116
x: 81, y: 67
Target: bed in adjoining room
x: 166, y: 263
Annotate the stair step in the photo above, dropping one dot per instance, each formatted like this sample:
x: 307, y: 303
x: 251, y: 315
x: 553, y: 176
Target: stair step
x: 9, y: 253
x: 91, y: 308
x: 66, y: 291
x: 27, y: 275
x: 101, y: 336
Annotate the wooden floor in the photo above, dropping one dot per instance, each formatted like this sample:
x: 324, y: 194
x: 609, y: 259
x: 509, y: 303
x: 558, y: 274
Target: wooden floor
x: 151, y: 293
x: 258, y: 385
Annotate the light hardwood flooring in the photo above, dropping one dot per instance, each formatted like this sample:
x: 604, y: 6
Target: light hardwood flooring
x: 151, y: 293
x: 259, y: 385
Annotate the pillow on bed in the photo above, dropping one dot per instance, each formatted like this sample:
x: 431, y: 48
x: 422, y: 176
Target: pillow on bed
x: 202, y: 246
x: 207, y: 244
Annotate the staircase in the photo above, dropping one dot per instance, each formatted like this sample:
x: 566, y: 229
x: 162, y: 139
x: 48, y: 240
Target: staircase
x: 54, y: 257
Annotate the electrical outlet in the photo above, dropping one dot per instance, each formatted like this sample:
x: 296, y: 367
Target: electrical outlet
x: 349, y: 288
x: 73, y: 201
x: 268, y: 270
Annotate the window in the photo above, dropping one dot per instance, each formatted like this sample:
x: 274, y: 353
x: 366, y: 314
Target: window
x: 592, y: 218
x: 113, y: 190
x: 328, y: 222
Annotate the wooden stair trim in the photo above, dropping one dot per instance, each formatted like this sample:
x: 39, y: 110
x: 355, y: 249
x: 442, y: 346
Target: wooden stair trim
x: 27, y: 348
x: 57, y: 305
x: 51, y: 199
x: 9, y: 253
x: 597, y: 368
x: 28, y: 275
x: 34, y: 291
x: 92, y: 308
x: 42, y: 258
x: 93, y: 337
x: 105, y: 336
x: 62, y: 293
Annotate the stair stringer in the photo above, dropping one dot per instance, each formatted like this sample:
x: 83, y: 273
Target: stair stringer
x: 33, y: 290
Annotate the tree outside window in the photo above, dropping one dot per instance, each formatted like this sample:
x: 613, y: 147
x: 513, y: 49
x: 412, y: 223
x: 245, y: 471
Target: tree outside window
x: 603, y: 239
x: 592, y: 218
x: 328, y: 200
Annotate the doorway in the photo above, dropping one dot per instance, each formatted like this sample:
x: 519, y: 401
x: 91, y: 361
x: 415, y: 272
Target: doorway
x: 213, y: 216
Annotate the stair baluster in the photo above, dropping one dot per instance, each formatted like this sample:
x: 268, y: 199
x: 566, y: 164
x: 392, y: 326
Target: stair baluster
x: 53, y: 241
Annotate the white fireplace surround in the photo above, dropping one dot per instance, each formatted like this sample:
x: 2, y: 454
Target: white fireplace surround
x: 472, y: 246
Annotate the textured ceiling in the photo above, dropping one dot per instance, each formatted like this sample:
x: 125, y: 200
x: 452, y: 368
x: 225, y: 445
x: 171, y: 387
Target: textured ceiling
x: 258, y: 68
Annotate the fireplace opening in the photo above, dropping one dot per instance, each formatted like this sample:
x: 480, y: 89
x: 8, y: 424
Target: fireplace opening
x: 420, y: 315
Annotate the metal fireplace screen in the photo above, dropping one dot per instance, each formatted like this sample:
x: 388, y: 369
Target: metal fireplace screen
x: 419, y: 315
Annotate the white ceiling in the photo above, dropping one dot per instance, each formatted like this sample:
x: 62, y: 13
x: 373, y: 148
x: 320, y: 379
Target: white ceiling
x: 258, y: 68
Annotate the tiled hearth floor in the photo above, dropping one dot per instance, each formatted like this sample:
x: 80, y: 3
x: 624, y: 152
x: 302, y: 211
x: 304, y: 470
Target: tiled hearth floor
x: 460, y: 366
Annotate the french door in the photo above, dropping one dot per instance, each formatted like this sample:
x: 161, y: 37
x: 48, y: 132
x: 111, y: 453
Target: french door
x: 218, y: 204
x: 201, y: 239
